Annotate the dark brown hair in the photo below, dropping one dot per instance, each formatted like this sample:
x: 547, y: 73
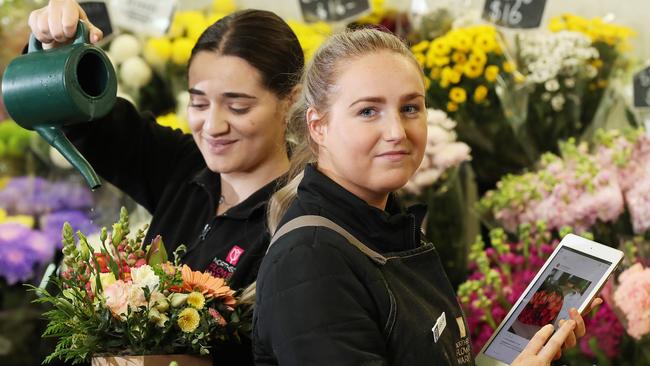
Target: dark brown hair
x: 264, y: 40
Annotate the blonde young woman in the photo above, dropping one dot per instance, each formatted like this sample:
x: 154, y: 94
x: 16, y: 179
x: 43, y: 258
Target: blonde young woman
x: 348, y: 279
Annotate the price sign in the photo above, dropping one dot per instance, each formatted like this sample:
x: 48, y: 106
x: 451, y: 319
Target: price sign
x: 150, y: 17
x: 642, y: 88
x: 98, y: 15
x: 332, y: 10
x: 514, y: 13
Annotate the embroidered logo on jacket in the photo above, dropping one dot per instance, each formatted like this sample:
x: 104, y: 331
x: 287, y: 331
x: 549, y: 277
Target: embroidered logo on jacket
x: 234, y: 255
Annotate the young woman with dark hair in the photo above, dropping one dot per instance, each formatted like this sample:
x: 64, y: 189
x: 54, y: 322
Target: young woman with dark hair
x: 209, y: 190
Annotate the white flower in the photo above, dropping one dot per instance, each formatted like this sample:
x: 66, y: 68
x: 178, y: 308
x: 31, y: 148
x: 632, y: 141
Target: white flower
x: 124, y: 47
x: 569, y: 83
x: 136, y: 298
x: 451, y: 155
x: 135, y: 73
x: 144, y: 276
x: 546, y: 96
x: 552, y: 85
x: 438, y: 135
x: 557, y: 102
x: 426, y: 177
x: 591, y: 71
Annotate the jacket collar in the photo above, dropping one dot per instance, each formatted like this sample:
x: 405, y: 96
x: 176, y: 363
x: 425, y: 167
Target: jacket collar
x: 393, y: 229
x: 210, y: 182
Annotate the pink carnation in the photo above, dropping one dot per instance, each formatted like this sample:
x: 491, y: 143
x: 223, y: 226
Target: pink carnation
x: 117, y: 298
x: 633, y: 298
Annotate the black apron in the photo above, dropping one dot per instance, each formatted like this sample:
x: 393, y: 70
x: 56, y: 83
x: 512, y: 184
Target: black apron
x: 425, y: 324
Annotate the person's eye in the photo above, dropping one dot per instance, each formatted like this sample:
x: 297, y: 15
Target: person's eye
x: 368, y: 112
x: 239, y: 110
x: 199, y: 105
x: 411, y: 109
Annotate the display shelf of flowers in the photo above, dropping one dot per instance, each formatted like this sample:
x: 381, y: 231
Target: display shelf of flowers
x: 597, y: 190
x: 469, y: 76
x: 121, y: 298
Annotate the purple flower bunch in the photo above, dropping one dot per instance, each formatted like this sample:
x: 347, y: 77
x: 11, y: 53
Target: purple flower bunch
x: 579, y: 188
x: 36, y: 196
x: 21, y: 250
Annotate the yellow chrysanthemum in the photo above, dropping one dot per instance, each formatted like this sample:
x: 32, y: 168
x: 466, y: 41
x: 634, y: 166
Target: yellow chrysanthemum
x: 452, y: 107
x: 435, y: 73
x: 181, y: 50
x: 473, y: 70
x: 188, y: 320
x: 224, y: 6
x: 196, y: 300
x: 509, y: 67
x: 480, y: 93
x: 485, y: 42
x: 458, y: 95
x: 459, y: 57
x: 3, y: 215
x: 440, y: 47
x: 420, y: 59
x: 427, y: 83
x: 491, y: 73
x: 173, y: 121
x: 157, y: 51
x: 461, y: 42
x: 420, y: 47
x: 441, y: 61
x: 478, y: 57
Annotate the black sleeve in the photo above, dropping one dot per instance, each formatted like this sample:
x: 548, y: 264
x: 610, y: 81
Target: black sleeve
x: 312, y: 309
x: 135, y: 153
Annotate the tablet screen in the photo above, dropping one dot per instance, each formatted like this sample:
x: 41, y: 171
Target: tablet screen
x: 565, y: 283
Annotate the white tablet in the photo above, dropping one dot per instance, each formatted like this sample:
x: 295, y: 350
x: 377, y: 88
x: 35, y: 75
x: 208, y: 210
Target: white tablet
x: 571, y: 277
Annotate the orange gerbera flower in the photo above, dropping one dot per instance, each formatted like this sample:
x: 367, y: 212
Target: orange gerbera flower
x: 207, y: 284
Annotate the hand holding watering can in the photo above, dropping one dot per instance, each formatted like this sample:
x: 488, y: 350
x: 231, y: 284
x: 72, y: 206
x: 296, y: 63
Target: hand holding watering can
x: 58, y: 83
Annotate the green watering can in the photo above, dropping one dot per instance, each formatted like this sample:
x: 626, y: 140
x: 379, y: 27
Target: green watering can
x: 44, y: 90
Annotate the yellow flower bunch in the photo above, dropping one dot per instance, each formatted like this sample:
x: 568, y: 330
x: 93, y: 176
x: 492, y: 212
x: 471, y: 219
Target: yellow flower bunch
x: 310, y: 36
x: 595, y: 28
x: 377, y: 12
x: 173, y: 121
x: 25, y: 220
x: 462, y: 65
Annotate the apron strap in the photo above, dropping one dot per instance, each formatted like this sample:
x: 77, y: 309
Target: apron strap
x: 315, y: 220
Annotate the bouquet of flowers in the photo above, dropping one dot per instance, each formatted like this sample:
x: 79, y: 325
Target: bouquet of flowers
x: 468, y: 75
x: 122, y: 297
x: 557, y: 68
x: 605, y: 190
x: 611, y: 41
x: 445, y: 182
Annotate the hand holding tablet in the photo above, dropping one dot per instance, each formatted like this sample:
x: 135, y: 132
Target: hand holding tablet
x: 564, y: 287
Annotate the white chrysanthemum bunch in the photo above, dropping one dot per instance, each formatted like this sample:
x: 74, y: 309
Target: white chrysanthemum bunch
x: 557, y: 61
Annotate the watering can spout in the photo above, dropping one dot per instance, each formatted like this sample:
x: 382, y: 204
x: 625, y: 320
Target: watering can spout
x: 55, y: 137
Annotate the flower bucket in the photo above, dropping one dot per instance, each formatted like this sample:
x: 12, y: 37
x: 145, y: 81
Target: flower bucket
x: 152, y: 360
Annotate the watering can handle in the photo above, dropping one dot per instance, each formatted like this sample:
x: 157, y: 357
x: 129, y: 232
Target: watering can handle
x: 82, y: 36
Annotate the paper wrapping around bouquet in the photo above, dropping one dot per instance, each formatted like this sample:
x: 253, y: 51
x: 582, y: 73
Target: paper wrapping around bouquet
x: 152, y: 360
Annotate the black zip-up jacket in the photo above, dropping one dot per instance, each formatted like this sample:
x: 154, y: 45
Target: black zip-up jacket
x: 164, y: 171
x: 321, y: 301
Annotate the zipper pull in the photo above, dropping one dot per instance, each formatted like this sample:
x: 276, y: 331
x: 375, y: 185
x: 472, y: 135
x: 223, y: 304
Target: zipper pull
x: 204, y: 233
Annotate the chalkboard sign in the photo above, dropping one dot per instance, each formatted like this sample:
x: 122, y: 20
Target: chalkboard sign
x: 332, y: 10
x: 514, y: 13
x: 98, y: 15
x: 642, y: 88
